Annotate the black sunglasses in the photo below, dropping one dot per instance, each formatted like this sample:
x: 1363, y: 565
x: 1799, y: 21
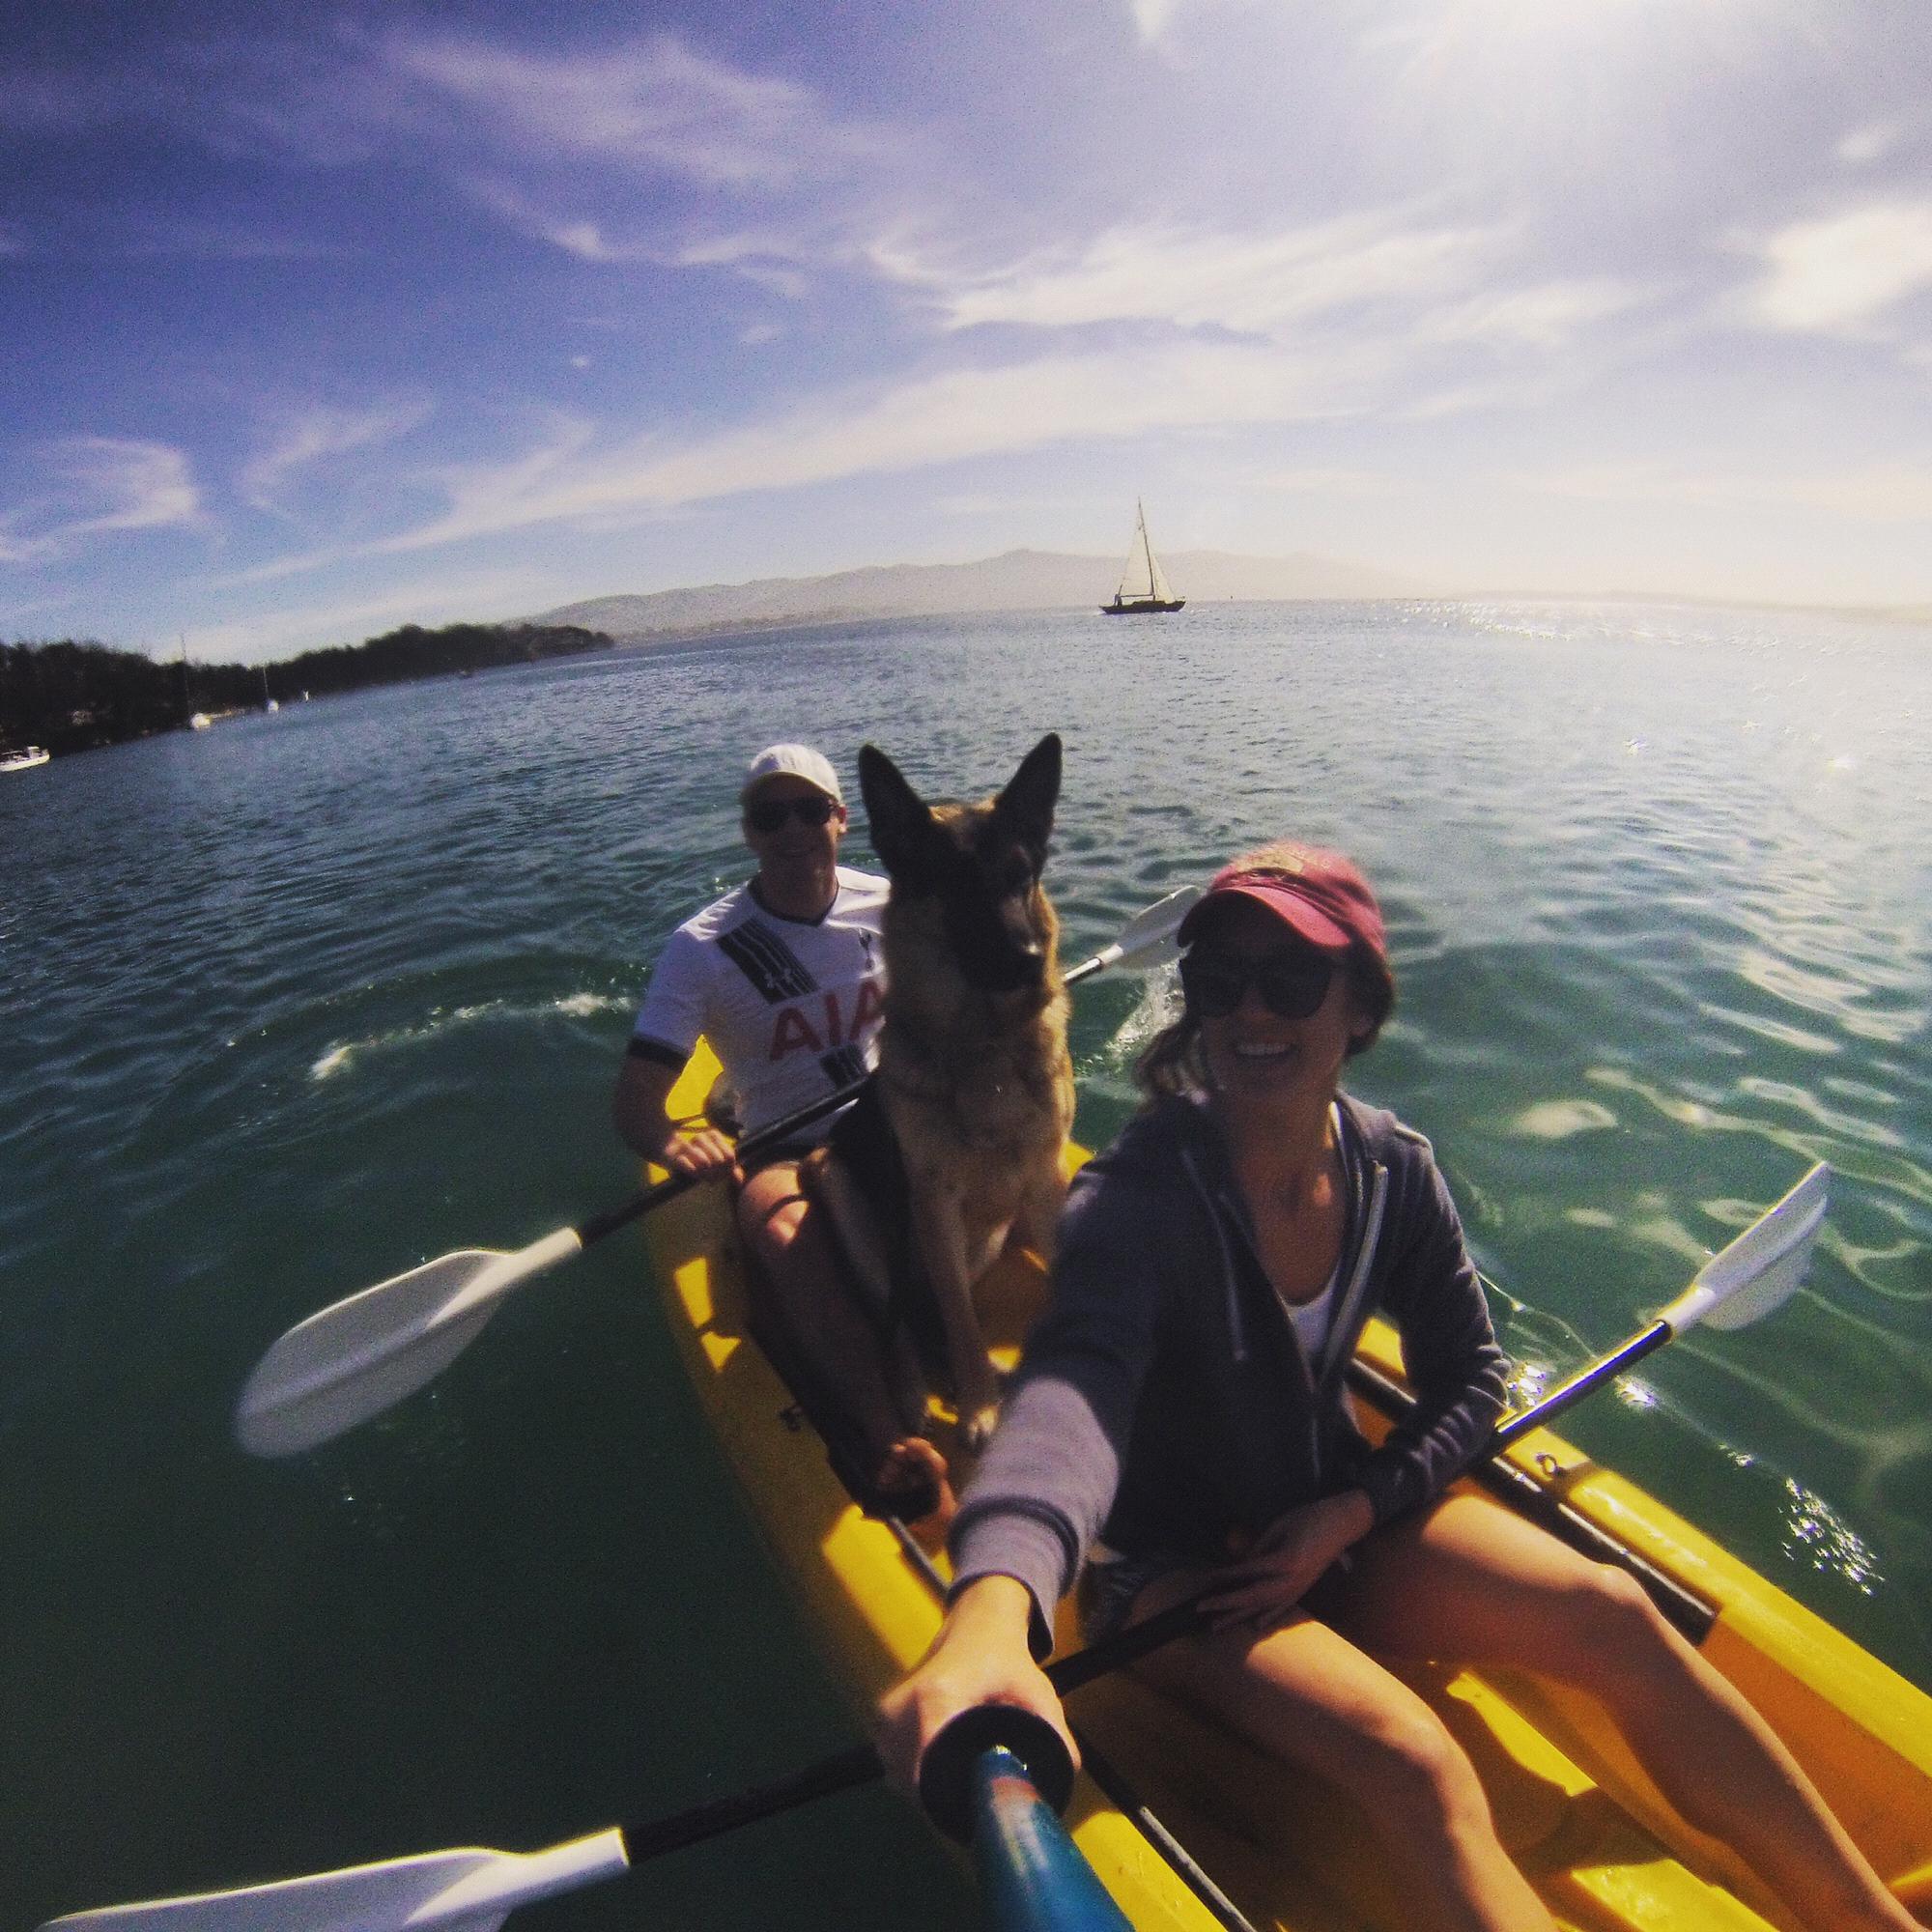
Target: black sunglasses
x: 1294, y: 982
x: 770, y: 813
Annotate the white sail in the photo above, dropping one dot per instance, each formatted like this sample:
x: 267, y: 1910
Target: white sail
x: 1143, y: 577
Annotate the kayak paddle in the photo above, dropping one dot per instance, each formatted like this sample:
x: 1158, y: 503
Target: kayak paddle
x: 475, y: 1889
x: 1754, y: 1274
x: 361, y: 1355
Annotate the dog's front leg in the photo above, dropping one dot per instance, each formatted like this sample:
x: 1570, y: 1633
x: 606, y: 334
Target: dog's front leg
x: 1038, y: 1223
x: 940, y: 1229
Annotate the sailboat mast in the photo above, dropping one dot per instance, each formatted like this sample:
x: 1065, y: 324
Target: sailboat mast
x: 1149, y: 588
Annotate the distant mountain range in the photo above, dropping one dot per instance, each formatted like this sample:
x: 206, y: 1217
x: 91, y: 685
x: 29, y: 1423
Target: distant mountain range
x: 1021, y: 579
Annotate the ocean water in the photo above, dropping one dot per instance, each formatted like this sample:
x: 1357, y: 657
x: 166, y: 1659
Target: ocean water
x: 295, y: 1003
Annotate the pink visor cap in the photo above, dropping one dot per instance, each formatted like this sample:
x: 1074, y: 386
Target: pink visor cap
x: 1317, y: 893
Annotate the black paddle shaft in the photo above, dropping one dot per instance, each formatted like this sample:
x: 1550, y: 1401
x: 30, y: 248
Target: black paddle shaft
x: 674, y: 1184
x: 1568, y: 1394
x: 860, y: 1764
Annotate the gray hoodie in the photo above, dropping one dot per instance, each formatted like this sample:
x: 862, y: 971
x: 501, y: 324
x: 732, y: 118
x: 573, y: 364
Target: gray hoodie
x: 1164, y: 1400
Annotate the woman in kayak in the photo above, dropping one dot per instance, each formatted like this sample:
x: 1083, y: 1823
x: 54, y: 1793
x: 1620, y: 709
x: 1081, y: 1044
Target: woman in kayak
x: 1182, y: 1399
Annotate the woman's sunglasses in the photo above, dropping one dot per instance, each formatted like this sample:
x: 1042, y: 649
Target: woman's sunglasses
x: 768, y: 814
x: 1293, y: 980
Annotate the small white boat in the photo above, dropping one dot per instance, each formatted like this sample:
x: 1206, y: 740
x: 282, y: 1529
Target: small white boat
x: 25, y: 758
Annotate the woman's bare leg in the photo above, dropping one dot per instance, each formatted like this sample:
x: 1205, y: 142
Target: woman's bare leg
x: 1470, y: 1583
x: 1310, y: 1697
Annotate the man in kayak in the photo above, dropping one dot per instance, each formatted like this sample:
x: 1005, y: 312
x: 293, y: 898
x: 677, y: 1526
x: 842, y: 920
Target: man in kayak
x: 784, y: 977
x: 1183, y: 1398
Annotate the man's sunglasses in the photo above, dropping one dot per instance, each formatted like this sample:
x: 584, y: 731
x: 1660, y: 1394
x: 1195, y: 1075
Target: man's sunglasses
x: 769, y: 814
x: 1294, y: 981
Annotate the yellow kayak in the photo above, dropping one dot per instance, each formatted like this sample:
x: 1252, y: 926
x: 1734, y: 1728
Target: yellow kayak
x: 1594, y: 1837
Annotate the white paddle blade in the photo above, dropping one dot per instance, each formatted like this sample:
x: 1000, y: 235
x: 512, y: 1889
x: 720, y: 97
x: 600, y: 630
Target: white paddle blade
x: 468, y: 1892
x: 1761, y: 1269
x: 1147, y: 940
x: 360, y: 1357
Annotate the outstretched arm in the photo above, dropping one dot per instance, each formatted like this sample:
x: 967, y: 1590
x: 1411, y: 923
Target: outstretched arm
x: 981, y: 1655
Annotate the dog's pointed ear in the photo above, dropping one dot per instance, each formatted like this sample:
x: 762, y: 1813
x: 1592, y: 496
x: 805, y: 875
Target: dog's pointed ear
x: 1027, y: 804
x: 897, y: 821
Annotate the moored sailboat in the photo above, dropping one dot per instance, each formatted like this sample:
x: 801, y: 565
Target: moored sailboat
x: 1144, y: 586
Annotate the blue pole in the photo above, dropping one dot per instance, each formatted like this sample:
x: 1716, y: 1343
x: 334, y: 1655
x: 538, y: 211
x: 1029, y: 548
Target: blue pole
x: 1032, y: 1876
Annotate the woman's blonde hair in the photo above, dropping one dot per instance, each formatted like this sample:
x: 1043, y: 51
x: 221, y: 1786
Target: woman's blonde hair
x: 1172, y: 1061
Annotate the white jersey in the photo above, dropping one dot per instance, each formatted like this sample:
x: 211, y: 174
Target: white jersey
x: 790, y: 1006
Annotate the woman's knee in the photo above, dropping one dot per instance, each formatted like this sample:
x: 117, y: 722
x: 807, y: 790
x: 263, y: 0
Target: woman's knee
x: 1610, y: 1630
x: 1407, y: 1766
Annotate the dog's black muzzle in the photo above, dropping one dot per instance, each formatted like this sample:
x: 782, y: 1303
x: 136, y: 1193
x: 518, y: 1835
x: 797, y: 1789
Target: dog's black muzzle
x: 999, y: 957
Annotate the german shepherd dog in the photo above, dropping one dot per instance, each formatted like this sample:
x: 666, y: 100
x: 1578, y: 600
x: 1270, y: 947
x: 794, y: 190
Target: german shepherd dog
x: 974, y: 1083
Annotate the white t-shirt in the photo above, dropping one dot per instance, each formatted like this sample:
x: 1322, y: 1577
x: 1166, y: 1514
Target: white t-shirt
x: 1313, y: 1320
x: 790, y: 1006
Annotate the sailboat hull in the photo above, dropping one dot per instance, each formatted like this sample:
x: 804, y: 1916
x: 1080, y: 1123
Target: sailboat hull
x: 1138, y: 607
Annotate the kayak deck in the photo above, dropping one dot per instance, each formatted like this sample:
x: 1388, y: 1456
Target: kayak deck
x: 1597, y: 1840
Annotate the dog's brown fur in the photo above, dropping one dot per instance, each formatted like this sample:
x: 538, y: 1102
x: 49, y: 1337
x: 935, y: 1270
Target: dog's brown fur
x: 974, y: 1075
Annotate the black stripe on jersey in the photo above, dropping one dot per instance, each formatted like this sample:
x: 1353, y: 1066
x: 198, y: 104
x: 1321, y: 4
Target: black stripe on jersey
x: 643, y: 1047
x: 767, y: 961
x: 845, y: 1067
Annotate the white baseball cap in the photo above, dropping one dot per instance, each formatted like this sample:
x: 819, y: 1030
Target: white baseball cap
x: 792, y: 761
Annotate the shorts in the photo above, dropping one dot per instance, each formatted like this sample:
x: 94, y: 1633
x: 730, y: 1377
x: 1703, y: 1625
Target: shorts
x: 1110, y: 1584
x: 771, y: 1157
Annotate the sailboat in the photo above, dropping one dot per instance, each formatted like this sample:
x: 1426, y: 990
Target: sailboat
x: 268, y: 703
x: 1144, y: 586
x: 197, y: 721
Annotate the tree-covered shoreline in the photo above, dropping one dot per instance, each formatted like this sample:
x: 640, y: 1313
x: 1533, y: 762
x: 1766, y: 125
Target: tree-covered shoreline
x: 71, y: 696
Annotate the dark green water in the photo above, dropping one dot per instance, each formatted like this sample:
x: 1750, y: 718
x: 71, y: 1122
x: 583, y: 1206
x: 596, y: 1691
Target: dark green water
x: 295, y: 1003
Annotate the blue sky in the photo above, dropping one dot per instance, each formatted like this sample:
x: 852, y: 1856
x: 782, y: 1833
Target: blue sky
x: 324, y: 319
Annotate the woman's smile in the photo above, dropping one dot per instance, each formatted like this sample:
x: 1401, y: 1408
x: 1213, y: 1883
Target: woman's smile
x: 1262, y: 1049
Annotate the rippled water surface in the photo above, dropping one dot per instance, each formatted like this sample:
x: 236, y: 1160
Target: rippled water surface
x: 294, y: 1003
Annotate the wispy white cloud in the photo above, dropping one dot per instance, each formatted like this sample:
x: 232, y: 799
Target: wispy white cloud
x: 314, y: 434
x: 466, y: 596
x: 1547, y: 316
x: 917, y: 424
x: 101, y: 486
x: 1871, y: 143
x: 142, y: 486
x: 568, y: 229
x: 1253, y: 284
x: 1882, y: 494
x: 1841, y: 273
x: 656, y: 103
